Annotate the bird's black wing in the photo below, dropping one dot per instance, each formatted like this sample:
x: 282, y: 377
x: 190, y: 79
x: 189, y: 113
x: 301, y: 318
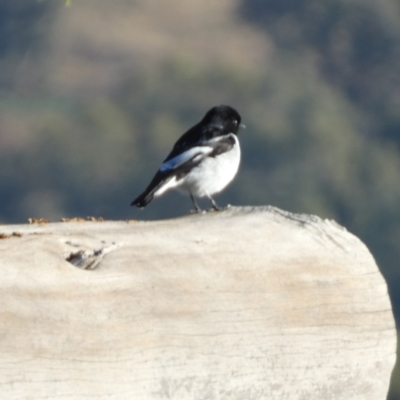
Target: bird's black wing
x: 187, y: 159
x: 198, y: 135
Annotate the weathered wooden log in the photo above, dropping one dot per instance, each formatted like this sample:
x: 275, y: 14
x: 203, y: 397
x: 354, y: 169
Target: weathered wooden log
x: 248, y: 303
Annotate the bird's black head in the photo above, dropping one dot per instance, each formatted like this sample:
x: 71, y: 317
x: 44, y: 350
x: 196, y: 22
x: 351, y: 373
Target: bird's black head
x: 225, y: 117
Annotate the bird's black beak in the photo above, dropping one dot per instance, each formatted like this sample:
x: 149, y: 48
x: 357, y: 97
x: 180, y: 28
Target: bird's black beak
x: 243, y: 126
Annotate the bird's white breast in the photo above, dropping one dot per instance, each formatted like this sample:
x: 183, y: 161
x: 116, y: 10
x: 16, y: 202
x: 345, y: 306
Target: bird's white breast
x: 213, y: 174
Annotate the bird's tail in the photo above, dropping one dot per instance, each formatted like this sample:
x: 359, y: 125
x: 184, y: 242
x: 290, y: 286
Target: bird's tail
x: 147, y: 196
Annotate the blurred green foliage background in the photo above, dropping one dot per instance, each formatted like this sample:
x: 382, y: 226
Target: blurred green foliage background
x: 93, y: 96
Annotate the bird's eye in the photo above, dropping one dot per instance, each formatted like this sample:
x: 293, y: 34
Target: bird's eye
x: 235, y: 122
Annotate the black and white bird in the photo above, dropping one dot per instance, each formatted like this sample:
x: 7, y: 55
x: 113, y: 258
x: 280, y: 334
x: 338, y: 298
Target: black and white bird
x: 202, y: 162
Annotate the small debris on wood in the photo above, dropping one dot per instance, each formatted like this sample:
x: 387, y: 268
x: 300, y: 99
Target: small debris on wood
x: 73, y: 219
x: 80, y: 219
x: 40, y: 221
x: 68, y: 242
x: 7, y: 235
x: 95, y: 219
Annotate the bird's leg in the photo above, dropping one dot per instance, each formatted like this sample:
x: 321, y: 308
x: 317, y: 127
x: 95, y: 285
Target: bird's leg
x: 214, y: 204
x: 196, y: 206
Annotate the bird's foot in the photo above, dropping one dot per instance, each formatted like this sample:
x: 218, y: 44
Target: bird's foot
x: 214, y: 205
x: 197, y: 211
x: 217, y: 208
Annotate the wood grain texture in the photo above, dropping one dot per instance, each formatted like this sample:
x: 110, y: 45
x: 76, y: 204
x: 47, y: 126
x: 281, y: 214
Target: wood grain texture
x: 249, y: 303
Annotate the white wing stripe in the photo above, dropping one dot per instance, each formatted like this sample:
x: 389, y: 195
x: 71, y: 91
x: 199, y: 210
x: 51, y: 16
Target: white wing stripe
x: 185, y: 157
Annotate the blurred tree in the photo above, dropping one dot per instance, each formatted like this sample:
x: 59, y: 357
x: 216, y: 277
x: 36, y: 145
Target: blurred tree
x: 23, y: 31
x: 354, y: 43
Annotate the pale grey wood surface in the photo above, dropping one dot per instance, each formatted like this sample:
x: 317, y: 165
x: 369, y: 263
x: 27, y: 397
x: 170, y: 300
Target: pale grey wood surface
x: 249, y: 303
